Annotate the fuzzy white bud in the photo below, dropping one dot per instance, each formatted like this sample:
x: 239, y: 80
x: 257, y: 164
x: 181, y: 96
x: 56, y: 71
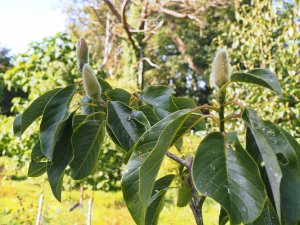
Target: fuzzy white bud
x: 90, y: 82
x: 82, y: 52
x: 221, y: 69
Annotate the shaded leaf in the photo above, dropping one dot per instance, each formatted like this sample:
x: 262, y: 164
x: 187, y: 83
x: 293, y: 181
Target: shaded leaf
x: 268, y: 155
x: 63, y: 154
x: 157, y: 199
x: 223, y: 217
x: 86, y: 141
x: 224, y: 171
x: 36, y: 169
x: 119, y: 94
x: 36, y: 154
x: 149, y: 113
x: 35, y: 110
x: 124, y: 124
x: 260, y: 77
x: 139, y: 177
x: 55, y: 113
x: 184, y: 195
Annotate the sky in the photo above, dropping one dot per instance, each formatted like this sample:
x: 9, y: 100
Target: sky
x: 24, y: 21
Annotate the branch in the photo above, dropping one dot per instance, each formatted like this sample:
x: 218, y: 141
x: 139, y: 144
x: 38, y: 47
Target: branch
x: 181, y: 161
x: 108, y: 45
x: 151, y: 63
x: 113, y: 10
x: 126, y: 27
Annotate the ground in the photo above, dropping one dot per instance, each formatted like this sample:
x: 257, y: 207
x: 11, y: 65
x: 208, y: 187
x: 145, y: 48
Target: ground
x: 20, y: 195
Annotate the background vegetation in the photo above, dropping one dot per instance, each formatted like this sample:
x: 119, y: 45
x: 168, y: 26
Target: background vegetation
x: 171, y: 44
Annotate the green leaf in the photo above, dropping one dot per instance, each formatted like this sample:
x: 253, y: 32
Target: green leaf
x: 288, y: 161
x: 159, y: 97
x: 36, y: 154
x: 24, y: 120
x: 286, y: 150
x: 63, y: 154
x: 268, y: 155
x: 86, y: 141
x: 260, y: 77
x: 55, y: 113
x: 223, y: 217
x: 157, y: 199
x: 119, y: 94
x: 224, y: 171
x: 187, y: 103
x: 184, y: 103
x: 268, y: 216
x: 148, y: 153
x: 105, y: 86
x: 184, y: 195
x: 149, y: 113
x: 36, y: 169
x: 124, y: 124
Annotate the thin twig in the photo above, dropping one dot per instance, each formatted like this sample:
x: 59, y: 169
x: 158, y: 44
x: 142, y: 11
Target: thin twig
x: 234, y: 102
x: 181, y: 161
x: 232, y: 116
x: 206, y: 106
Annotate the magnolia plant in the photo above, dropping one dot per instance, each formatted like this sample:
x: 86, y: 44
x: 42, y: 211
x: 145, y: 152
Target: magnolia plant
x: 255, y: 181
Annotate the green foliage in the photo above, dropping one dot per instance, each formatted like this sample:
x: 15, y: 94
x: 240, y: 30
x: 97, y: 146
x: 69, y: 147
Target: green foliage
x: 265, y: 34
x: 247, y: 183
x: 46, y: 65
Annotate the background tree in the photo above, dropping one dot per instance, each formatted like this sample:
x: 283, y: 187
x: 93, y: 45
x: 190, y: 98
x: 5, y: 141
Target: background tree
x: 266, y: 34
x: 160, y: 41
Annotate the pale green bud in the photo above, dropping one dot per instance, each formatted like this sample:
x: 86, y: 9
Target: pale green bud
x: 90, y: 82
x: 221, y: 69
x: 82, y: 53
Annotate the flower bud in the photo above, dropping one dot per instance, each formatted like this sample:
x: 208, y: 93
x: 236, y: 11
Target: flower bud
x: 82, y: 53
x: 221, y: 69
x: 90, y: 82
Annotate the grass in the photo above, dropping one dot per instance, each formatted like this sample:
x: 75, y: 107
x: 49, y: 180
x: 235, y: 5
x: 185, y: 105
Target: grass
x: 20, y: 195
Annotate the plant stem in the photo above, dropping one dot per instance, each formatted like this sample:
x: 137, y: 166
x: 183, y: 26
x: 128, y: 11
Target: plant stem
x: 196, y: 201
x: 181, y: 161
x: 222, y: 96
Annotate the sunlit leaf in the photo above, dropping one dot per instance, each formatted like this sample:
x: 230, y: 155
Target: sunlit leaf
x: 224, y: 171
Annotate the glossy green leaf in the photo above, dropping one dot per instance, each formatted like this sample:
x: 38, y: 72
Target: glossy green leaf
x: 184, y: 195
x: 36, y: 169
x: 55, y: 113
x: 260, y: 77
x: 224, y: 171
x: 63, y: 154
x: 148, y: 153
x: 288, y: 161
x: 268, y: 216
x: 35, y: 110
x: 286, y: 150
x: 157, y: 199
x: 268, y: 155
x: 149, y: 113
x: 86, y: 141
x: 124, y: 124
x: 184, y: 103
x: 36, y: 154
x: 159, y: 97
x: 119, y: 94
